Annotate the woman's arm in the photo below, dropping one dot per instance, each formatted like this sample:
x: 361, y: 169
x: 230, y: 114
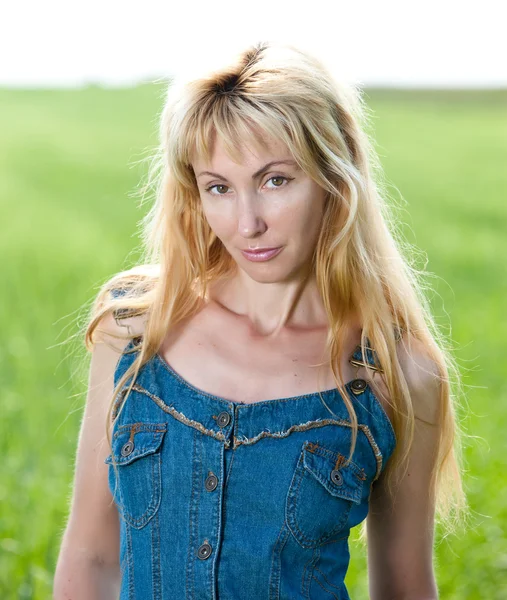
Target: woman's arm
x: 400, y: 532
x: 87, y: 566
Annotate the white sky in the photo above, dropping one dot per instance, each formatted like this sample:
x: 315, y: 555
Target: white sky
x: 443, y: 43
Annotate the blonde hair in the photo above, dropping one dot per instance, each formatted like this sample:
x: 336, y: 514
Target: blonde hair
x: 359, y: 264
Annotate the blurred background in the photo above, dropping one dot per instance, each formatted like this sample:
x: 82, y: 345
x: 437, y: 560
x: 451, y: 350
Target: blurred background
x: 81, y: 90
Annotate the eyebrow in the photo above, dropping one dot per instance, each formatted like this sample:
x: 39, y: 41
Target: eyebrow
x: 257, y: 173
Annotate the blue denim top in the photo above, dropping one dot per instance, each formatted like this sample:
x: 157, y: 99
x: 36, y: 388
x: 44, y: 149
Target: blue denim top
x: 224, y: 500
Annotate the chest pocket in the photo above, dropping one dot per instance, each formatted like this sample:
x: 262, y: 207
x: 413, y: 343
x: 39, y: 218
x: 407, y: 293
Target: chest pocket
x: 136, y: 449
x: 321, y: 495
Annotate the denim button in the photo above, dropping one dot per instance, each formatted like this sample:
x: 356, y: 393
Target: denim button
x: 224, y: 418
x: 358, y: 386
x: 336, y: 477
x: 211, y: 482
x: 204, y: 551
x: 127, y: 448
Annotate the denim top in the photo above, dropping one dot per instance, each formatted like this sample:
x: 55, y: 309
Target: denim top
x: 224, y: 500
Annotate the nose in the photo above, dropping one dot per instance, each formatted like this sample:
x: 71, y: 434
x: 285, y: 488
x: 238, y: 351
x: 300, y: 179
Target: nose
x: 250, y: 220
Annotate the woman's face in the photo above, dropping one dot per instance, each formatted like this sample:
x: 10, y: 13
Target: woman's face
x: 256, y: 204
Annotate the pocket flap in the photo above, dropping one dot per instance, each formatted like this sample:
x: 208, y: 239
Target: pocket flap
x: 135, y: 440
x: 325, y: 465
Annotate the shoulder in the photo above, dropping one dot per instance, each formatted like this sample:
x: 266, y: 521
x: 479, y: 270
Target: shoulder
x: 115, y: 332
x: 133, y: 324
x: 423, y: 376
x: 116, y: 319
x: 122, y: 305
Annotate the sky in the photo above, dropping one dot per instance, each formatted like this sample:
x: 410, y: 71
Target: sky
x: 372, y: 43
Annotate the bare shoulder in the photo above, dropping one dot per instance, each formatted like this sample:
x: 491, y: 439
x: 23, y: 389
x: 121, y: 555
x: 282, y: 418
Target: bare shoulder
x: 422, y: 375
x: 116, y: 330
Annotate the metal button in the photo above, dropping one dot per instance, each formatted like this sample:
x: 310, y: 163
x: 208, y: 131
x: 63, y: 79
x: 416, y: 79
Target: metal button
x: 211, y: 482
x: 336, y: 477
x: 204, y: 551
x: 127, y: 448
x: 358, y: 386
x: 224, y: 418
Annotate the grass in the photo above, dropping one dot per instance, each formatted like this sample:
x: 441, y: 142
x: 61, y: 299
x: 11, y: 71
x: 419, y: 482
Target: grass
x: 69, y: 167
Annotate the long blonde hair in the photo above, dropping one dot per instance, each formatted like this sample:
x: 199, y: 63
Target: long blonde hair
x: 359, y: 259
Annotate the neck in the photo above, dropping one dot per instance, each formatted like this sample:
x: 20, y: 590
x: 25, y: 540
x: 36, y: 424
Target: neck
x: 267, y: 306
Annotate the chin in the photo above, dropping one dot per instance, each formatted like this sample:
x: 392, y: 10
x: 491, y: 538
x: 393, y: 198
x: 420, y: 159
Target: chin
x: 265, y: 274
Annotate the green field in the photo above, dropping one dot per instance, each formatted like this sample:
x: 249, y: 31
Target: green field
x: 70, y: 162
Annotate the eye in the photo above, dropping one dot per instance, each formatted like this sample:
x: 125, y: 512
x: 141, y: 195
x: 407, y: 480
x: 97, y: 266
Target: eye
x: 280, y: 177
x: 221, y: 185
x: 217, y: 185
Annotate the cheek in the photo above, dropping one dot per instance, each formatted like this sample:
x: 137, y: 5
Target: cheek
x: 304, y: 219
x: 313, y: 212
x: 304, y: 210
x: 220, y: 222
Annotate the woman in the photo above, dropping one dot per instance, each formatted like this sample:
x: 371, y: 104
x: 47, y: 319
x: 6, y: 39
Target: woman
x: 277, y: 375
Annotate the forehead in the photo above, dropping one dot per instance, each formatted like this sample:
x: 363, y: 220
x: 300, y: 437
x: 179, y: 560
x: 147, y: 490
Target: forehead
x: 250, y: 152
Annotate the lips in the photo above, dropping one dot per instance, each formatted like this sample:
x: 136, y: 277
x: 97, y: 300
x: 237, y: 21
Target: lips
x: 261, y: 254
x: 261, y: 249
